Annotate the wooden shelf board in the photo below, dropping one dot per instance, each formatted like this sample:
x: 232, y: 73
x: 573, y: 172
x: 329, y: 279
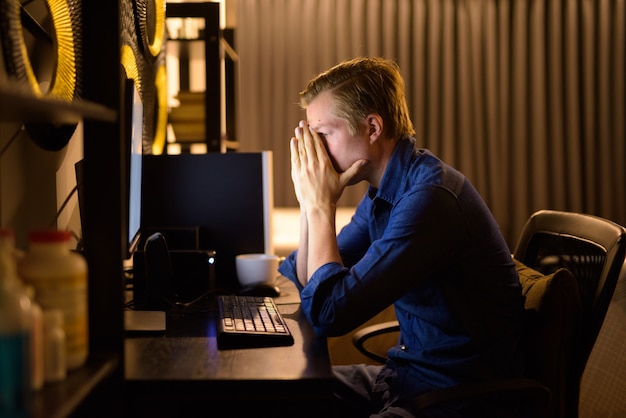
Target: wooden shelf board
x: 60, y: 399
x: 17, y: 105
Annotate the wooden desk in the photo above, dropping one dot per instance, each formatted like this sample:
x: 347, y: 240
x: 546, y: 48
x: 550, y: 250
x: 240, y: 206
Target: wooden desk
x: 182, y: 371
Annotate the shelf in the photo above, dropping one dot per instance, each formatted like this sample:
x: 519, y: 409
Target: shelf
x: 17, y: 105
x: 179, y: 47
x: 60, y: 400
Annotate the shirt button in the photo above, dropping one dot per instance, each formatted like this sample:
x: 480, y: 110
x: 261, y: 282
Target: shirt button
x: 403, y: 347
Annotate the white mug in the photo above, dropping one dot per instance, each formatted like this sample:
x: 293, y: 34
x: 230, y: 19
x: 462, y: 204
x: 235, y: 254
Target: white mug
x: 255, y: 268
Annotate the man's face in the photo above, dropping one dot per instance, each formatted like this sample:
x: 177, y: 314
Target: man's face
x: 343, y: 147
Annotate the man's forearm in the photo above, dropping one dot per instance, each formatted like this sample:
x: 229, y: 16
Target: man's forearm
x: 322, y: 242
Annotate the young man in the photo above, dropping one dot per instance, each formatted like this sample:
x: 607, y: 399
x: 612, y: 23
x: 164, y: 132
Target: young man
x: 421, y: 239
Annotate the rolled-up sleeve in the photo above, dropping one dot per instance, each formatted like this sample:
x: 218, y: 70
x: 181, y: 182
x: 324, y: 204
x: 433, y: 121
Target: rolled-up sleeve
x: 288, y: 269
x: 324, y: 275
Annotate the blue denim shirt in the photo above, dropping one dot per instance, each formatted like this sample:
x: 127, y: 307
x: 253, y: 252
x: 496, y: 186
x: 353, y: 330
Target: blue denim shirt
x: 425, y: 242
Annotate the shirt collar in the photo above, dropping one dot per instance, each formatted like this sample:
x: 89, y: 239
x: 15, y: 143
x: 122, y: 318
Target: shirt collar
x: 392, y: 183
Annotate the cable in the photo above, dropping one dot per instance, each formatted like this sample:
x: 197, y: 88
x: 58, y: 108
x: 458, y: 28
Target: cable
x: 63, y: 205
x: 8, y: 144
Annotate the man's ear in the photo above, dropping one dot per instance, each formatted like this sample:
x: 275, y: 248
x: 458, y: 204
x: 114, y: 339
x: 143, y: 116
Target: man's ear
x: 375, y: 126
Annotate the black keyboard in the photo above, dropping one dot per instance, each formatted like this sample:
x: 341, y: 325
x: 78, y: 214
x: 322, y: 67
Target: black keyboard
x: 250, y: 321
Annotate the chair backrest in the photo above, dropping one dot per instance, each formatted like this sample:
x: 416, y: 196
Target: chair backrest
x: 593, y: 249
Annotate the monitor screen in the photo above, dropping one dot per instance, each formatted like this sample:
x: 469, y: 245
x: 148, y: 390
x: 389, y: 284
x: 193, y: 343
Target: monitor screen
x: 134, y: 130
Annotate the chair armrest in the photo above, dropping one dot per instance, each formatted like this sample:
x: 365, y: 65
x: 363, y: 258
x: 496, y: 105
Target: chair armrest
x: 525, y: 389
x: 361, y: 336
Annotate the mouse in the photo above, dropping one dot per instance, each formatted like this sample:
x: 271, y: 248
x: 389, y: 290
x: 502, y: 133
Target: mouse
x: 260, y: 289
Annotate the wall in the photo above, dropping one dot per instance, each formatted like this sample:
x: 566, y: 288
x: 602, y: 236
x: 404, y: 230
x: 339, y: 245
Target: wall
x: 35, y: 182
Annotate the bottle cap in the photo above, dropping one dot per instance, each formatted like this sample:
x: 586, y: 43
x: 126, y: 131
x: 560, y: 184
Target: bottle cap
x: 49, y: 236
x: 7, y: 238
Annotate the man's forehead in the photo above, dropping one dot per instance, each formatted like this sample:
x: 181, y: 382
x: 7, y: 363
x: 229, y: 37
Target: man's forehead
x: 322, y: 118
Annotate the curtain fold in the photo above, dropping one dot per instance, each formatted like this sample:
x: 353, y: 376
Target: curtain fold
x: 526, y: 97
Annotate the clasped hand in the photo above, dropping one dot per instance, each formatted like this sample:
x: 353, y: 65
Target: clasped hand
x: 316, y: 181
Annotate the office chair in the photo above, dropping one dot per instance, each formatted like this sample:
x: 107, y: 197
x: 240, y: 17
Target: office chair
x: 593, y: 250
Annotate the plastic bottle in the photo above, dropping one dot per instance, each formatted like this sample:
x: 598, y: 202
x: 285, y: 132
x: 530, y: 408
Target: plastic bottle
x: 60, y: 280
x: 55, y: 362
x: 36, y: 340
x: 15, y: 314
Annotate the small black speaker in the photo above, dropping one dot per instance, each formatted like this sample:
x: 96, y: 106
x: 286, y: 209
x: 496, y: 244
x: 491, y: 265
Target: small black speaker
x: 156, y: 279
x: 163, y: 278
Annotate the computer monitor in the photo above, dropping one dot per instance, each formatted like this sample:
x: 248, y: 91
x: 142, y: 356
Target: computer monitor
x: 131, y: 146
x: 227, y: 198
x: 134, y: 156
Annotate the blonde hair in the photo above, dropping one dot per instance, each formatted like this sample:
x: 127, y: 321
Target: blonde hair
x: 363, y: 86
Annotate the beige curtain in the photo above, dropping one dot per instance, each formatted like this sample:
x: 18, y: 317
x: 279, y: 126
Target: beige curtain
x: 527, y: 98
